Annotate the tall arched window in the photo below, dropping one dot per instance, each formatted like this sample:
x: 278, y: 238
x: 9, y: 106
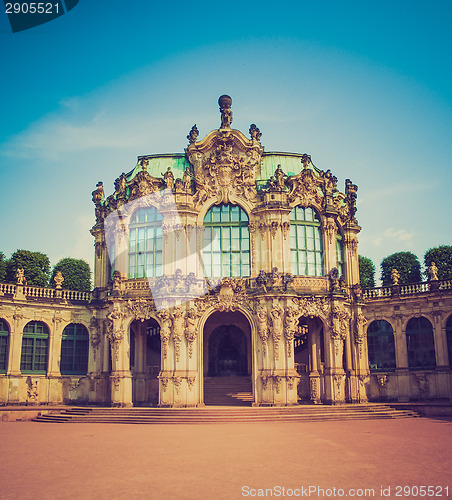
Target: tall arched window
x: 35, y: 346
x: 306, y: 251
x: 449, y: 339
x: 380, y: 345
x: 340, y: 253
x: 4, y: 337
x: 74, y: 350
x: 420, y: 344
x: 145, y: 243
x: 226, y: 242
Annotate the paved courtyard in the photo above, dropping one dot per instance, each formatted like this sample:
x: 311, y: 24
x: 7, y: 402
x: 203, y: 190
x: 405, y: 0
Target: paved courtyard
x: 226, y: 461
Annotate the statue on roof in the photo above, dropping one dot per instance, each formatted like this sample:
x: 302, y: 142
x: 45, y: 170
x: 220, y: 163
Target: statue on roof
x: 168, y: 178
x: 193, y: 135
x: 98, y: 194
x: 226, y: 114
x: 255, y: 132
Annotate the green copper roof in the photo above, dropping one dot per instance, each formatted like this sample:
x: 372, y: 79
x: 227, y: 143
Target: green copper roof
x: 158, y: 164
x: 290, y: 164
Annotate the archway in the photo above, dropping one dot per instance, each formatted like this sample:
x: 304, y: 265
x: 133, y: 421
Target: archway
x: 309, y: 358
x: 145, y: 361
x: 227, y: 359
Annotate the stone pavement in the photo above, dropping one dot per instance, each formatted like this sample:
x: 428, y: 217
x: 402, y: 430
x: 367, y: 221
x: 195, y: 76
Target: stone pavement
x: 225, y: 461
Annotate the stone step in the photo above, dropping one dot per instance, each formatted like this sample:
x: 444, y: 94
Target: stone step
x: 224, y: 414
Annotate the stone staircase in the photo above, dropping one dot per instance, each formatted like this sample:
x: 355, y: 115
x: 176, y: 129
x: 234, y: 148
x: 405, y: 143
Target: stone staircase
x: 228, y: 391
x: 217, y: 414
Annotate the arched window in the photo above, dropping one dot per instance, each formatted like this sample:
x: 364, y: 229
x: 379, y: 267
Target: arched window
x: 306, y: 251
x: 340, y: 253
x: 380, y: 345
x: 145, y: 243
x: 35, y: 345
x: 449, y: 339
x: 420, y: 344
x: 74, y: 350
x: 226, y: 242
x: 4, y: 336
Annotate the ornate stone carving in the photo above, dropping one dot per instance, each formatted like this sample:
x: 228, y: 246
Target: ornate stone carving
x: 276, y: 315
x: 178, y: 317
x: 290, y: 327
x: 20, y: 277
x: 115, y: 328
x: 165, y: 331
x: 277, y: 380
x: 274, y: 228
x: 191, y: 381
x: 190, y: 329
x: 32, y: 391
x: 58, y: 280
x: 340, y: 320
x: 313, y: 389
x: 193, y: 135
x: 225, y: 108
x: 285, y: 228
x: 262, y: 327
x: 177, y: 381
x: 304, y: 187
x: 143, y: 184
x: 311, y: 306
x: 395, y: 277
x: 141, y: 308
x: 432, y: 272
x: 329, y: 228
x: 255, y: 133
x: 95, y: 325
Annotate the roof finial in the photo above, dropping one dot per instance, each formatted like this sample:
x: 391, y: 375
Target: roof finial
x: 226, y: 114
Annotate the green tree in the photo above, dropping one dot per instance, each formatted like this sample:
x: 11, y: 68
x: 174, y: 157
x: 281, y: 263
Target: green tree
x: 36, y: 266
x: 442, y: 257
x: 406, y: 263
x: 3, y: 263
x: 76, y: 274
x: 366, y: 272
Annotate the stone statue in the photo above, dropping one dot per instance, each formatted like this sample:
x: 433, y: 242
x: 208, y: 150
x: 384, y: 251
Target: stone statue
x: 58, y: 280
x: 226, y: 114
x: 432, y: 272
x: 280, y: 175
x: 262, y: 320
x: 255, y: 132
x: 98, y: 194
x: 168, y: 178
x: 20, y: 277
x: 186, y: 179
x: 395, y: 276
x: 193, y: 135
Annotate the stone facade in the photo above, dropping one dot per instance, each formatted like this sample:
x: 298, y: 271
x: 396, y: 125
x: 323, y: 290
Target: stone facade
x: 285, y: 311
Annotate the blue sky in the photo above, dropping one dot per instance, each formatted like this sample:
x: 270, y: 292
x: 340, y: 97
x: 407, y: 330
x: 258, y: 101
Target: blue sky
x: 364, y: 88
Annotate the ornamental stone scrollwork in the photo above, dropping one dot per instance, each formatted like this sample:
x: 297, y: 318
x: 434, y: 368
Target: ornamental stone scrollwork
x: 311, y: 307
x: 115, y: 328
x: 225, y: 162
x: 264, y: 379
x: 141, y: 309
x: 177, y: 382
x: 277, y: 381
x: 262, y: 327
x: 276, y: 315
x: 329, y: 228
x: 143, y: 184
x: 338, y: 379
x: 164, y: 380
x: 290, y: 327
x: 191, y: 382
x: 304, y: 187
x: 263, y: 226
x: 352, y: 244
x: 32, y: 391
x: 178, y: 317
x: 165, y: 331
x: 291, y: 382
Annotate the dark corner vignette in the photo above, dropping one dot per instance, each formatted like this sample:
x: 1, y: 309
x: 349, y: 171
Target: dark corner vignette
x: 27, y: 14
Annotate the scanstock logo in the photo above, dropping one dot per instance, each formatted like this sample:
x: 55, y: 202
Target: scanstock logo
x: 24, y: 15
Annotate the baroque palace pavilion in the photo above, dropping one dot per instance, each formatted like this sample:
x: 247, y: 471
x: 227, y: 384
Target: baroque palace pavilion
x: 225, y: 270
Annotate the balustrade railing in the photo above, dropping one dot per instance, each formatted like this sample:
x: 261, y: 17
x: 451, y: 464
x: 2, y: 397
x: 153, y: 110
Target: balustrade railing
x: 407, y: 289
x: 37, y: 292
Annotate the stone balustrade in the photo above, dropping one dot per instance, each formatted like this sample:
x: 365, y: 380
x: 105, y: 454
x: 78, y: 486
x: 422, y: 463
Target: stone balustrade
x: 407, y: 289
x: 37, y: 292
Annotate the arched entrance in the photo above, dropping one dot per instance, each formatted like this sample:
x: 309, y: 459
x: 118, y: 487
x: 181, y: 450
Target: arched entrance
x: 145, y: 361
x: 309, y: 359
x: 227, y: 360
